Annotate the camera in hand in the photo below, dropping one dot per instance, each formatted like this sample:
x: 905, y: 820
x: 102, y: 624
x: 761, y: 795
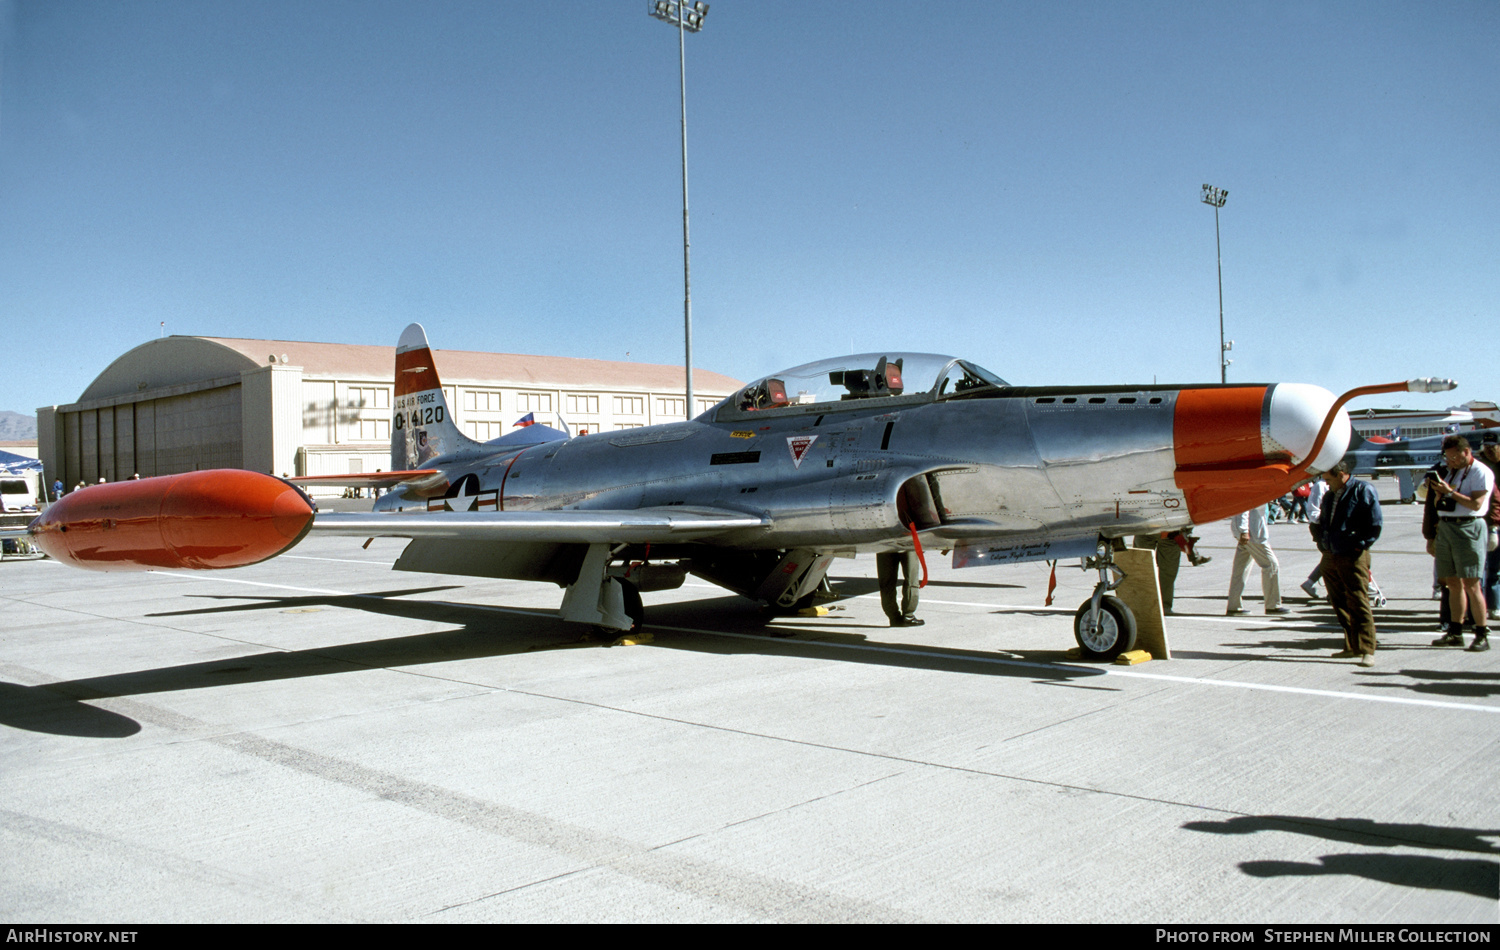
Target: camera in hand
x: 1446, y: 503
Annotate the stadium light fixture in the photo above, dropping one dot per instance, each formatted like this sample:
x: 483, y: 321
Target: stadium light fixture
x: 688, y: 18
x: 1216, y: 197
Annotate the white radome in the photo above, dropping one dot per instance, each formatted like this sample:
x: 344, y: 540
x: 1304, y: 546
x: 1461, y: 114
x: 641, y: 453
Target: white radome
x: 1296, y: 414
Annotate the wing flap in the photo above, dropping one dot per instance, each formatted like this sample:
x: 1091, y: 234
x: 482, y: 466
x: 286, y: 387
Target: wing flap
x: 578, y: 527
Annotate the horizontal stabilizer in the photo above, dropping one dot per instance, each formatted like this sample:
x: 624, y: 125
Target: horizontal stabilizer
x: 365, y: 479
x: 580, y: 527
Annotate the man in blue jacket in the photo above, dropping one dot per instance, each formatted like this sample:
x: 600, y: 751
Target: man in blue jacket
x: 1350, y: 522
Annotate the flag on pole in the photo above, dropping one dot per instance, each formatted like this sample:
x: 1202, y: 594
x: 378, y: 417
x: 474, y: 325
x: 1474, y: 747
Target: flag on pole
x: 527, y: 420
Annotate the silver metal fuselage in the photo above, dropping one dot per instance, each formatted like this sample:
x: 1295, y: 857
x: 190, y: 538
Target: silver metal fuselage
x: 1022, y: 465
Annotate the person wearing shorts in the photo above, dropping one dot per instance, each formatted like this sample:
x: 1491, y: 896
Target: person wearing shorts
x: 1462, y: 501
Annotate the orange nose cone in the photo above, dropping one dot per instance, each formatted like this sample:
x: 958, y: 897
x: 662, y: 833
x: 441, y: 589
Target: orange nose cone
x: 210, y: 519
x: 1218, y: 437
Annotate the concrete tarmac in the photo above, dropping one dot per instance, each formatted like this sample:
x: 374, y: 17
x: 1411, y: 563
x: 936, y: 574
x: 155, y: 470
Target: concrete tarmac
x: 318, y: 738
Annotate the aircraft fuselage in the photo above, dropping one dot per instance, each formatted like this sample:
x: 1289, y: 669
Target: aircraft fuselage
x: 1022, y: 464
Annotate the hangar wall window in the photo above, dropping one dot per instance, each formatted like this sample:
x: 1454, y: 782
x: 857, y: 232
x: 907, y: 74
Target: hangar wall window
x: 630, y: 405
x: 374, y: 430
x: 583, y: 405
x: 481, y: 400
x: 369, y: 397
x: 670, y: 407
x: 485, y: 431
x: 533, y: 402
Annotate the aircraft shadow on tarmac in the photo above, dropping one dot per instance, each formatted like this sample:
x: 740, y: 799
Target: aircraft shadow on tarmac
x: 480, y: 631
x: 1477, y: 876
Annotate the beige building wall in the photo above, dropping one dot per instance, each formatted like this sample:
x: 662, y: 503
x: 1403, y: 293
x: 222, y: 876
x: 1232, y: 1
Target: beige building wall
x: 271, y: 420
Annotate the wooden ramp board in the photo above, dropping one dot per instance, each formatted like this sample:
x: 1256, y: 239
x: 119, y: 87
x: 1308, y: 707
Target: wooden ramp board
x: 1141, y: 592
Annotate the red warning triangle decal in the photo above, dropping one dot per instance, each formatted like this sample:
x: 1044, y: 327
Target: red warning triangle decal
x: 799, y: 444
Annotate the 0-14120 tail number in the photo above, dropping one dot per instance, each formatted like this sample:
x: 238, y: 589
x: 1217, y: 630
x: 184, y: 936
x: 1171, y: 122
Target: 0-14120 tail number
x: 420, y: 417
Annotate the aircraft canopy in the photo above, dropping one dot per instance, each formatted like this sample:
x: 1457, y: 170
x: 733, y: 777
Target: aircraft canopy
x: 864, y: 376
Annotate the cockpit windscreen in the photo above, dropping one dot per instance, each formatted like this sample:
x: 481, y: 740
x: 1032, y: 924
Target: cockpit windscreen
x: 864, y: 376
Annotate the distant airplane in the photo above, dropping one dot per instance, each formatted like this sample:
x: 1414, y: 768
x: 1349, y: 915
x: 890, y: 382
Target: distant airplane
x: 850, y: 455
x: 1379, y: 456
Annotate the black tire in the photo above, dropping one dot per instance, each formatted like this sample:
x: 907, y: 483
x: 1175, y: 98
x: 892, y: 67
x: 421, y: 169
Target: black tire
x: 803, y: 603
x: 635, y: 610
x: 1116, y: 633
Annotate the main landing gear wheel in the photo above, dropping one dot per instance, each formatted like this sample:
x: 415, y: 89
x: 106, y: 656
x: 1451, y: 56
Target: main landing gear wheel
x: 637, y: 612
x: 633, y: 609
x: 805, y: 602
x: 1112, y: 634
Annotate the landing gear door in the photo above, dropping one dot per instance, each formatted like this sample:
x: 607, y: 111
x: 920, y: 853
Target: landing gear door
x: 798, y: 574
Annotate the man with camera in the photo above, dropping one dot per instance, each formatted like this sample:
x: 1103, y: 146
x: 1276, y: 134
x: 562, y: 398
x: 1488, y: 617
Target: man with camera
x: 1462, y: 490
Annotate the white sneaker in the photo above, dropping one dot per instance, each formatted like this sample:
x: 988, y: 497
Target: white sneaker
x: 1310, y: 589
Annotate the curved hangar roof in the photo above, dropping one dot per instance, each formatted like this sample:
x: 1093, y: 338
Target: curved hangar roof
x: 175, y: 360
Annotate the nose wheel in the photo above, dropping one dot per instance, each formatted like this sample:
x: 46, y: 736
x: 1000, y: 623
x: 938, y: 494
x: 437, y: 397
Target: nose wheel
x: 1105, y: 632
x: 1103, y: 626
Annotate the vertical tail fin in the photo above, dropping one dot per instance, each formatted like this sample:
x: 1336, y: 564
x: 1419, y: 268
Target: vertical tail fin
x: 422, y: 425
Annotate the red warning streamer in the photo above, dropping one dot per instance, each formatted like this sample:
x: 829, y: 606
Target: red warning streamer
x: 921, y: 558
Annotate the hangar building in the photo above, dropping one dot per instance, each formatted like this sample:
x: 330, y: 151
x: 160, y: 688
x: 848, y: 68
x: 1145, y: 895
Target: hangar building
x: 182, y: 403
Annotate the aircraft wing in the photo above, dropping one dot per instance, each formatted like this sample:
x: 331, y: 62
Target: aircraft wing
x: 565, y: 527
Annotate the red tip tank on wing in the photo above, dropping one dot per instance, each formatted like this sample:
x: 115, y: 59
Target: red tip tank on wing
x: 209, y: 519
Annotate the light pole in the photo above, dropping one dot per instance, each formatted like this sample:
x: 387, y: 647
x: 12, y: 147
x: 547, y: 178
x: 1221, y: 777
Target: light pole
x: 688, y: 18
x: 1216, y: 197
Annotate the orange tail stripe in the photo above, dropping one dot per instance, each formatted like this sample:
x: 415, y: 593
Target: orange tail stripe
x: 416, y: 372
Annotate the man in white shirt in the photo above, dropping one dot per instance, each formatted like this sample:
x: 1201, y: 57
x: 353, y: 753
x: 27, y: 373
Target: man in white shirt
x: 1462, y: 500
x: 1254, y: 544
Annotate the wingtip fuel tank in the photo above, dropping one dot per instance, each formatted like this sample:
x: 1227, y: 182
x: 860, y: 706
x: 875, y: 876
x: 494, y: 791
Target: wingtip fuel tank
x: 198, y: 520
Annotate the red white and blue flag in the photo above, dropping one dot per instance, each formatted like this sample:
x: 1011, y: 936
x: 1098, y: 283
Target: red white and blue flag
x: 527, y: 420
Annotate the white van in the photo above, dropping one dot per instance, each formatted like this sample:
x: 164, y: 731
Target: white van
x: 18, y: 490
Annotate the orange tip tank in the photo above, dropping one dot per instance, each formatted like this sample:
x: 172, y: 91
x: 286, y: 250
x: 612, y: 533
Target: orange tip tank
x: 199, y: 520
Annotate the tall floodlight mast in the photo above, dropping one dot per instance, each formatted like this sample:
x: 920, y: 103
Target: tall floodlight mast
x: 688, y: 18
x: 1216, y: 197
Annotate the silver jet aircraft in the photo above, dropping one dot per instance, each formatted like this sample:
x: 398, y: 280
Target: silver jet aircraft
x: 851, y: 455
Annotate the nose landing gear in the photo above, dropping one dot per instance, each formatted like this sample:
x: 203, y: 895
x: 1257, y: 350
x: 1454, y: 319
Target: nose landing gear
x: 1103, y: 626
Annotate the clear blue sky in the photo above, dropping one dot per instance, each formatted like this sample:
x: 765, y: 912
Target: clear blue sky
x: 1013, y: 182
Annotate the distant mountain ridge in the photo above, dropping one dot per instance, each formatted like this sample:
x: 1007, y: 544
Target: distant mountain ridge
x: 15, y: 427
